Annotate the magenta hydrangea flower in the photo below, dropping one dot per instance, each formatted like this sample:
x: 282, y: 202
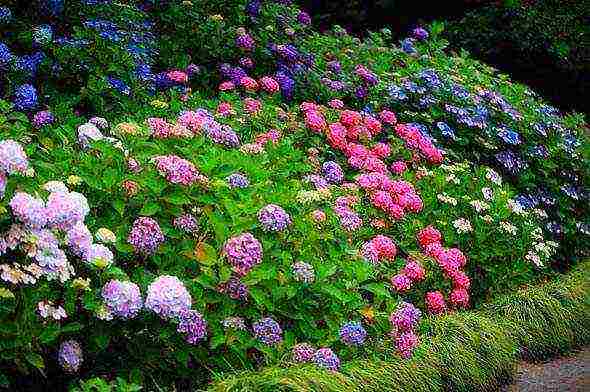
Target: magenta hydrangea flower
x: 273, y: 218
x: 29, y: 210
x: 353, y: 334
x: 12, y: 157
x: 167, y: 297
x: 406, y: 342
x: 122, y: 299
x: 70, y: 356
x: 243, y: 252
x: 325, y: 358
x: 302, y: 352
x: 193, y: 325
x: 177, y: 170
x: 405, y: 317
x: 268, y: 331
x: 145, y: 236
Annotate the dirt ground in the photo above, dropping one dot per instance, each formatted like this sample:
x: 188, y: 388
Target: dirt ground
x: 569, y: 374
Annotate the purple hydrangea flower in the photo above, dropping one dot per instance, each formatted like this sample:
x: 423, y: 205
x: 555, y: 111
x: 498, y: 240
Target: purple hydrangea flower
x: 273, y: 218
x: 186, y: 222
x: 420, y: 33
x: 237, y: 180
x: 333, y: 172
x: 405, y: 317
x: 192, y: 323
x: 234, y: 288
x: 325, y: 358
x: 12, y: 157
x: 268, y: 331
x: 167, y: 297
x: 353, y: 334
x: 122, y: 299
x: 302, y: 352
x: 405, y: 343
x: 145, y: 236
x: 243, y: 252
x: 88, y: 133
x: 303, y: 18
x: 99, y: 122
x: 70, y: 356
x: 42, y: 118
x: 245, y: 42
x: 511, y: 162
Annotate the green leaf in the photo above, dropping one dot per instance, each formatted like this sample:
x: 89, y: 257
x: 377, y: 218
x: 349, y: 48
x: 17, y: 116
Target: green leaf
x: 36, y: 360
x: 150, y: 208
x: 49, y: 334
x: 177, y: 199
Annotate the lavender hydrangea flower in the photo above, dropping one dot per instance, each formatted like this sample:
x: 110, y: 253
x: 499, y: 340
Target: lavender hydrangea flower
x: 70, y: 356
x: 64, y: 210
x: 42, y: 118
x: 234, y: 322
x: 145, y: 236
x: 405, y: 317
x: 268, y: 331
x: 353, y: 334
x: 79, y: 239
x: 302, y: 352
x: 29, y: 210
x: 99, y: 122
x: 13, y: 158
x: 303, y: 272
x: 98, y: 255
x: 237, y: 180
x: 167, y: 297
x: 333, y: 172
x: 193, y: 325
x: 122, y: 299
x: 273, y: 218
x: 88, y: 133
x: 243, y: 252
x: 325, y: 358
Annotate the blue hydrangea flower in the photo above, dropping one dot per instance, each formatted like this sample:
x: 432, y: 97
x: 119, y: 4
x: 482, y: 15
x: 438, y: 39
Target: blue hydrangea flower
x: 446, y: 130
x: 511, y: 162
x: 407, y: 46
x: 5, y: 15
x: 508, y: 136
x: 25, y: 97
x: 353, y: 334
x: 119, y: 85
x: 397, y: 93
x: 5, y: 56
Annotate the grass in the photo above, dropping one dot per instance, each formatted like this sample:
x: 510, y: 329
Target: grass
x: 465, y: 351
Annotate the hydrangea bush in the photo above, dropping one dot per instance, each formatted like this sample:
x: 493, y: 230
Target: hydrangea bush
x: 208, y: 230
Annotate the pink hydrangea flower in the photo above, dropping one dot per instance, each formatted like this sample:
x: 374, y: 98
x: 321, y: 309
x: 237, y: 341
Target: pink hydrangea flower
x: 388, y: 117
x: 269, y: 84
x: 398, y: 167
x: 249, y: 83
x: 252, y: 106
x: 401, y: 283
x: 167, y: 297
x: 435, y: 302
x: 427, y: 236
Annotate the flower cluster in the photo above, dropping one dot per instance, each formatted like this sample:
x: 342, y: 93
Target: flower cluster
x: 243, y: 252
x: 70, y: 356
x: 167, y: 297
x: 273, y: 218
x: 378, y: 249
x: 122, y: 299
x: 178, y: 170
x: 353, y: 334
x: 268, y: 331
x: 451, y: 261
x: 404, y: 322
x: 145, y: 236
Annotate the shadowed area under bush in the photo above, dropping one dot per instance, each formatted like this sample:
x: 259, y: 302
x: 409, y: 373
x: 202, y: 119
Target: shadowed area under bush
x: 461, y: 352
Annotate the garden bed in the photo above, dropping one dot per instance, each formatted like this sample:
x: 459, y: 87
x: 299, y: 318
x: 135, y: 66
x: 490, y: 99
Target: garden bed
x: 467, y: 351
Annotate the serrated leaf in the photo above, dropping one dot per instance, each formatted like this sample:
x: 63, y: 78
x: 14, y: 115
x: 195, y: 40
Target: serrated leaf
x: 150, y: 208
